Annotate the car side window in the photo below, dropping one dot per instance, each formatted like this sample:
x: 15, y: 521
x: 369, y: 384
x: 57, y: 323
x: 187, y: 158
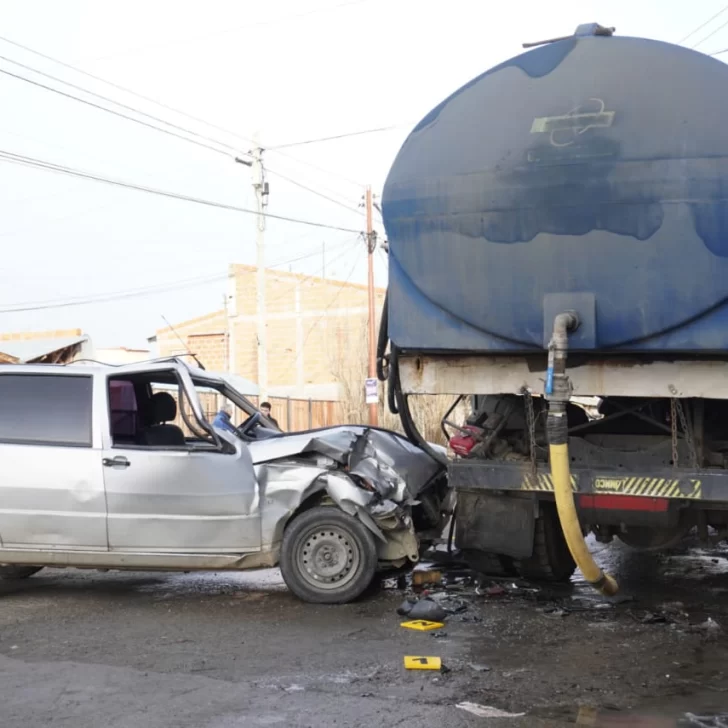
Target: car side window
x: 46, y: 409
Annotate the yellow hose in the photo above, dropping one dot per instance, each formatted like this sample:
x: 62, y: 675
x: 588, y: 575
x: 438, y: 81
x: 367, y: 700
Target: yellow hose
x: 602, y: 582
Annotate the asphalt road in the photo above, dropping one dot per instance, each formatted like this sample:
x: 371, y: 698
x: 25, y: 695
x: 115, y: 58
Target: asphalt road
x: 131, y: 650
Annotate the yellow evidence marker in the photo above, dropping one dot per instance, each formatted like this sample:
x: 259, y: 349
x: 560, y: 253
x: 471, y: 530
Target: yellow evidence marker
x: 422, y: 625
x: 422, y: 663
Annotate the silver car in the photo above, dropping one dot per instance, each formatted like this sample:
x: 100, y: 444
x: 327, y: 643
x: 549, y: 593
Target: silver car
x: 119, y: 468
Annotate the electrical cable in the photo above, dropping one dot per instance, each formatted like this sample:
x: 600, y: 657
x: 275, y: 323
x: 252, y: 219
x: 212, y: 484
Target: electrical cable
x: 128, y: 293
x: 710, y: 35
x: 111, y: 111
x: 342, y: 284
x: 126, y: 90
x: 76, y: 87
x: 315, y: 192
x: 50, y: 166
x: 160, y: 104
x: 115, y: 296
x: 700, y: 27
x: 337, y: 136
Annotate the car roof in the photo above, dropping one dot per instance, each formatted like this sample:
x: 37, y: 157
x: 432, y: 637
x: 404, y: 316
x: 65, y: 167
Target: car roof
x: 90, y: 367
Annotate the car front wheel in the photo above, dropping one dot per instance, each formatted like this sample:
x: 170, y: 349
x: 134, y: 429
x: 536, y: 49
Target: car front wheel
x: 328, y: 556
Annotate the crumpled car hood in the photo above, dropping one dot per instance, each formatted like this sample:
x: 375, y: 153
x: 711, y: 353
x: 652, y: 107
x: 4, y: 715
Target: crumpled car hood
x: 388, y: 462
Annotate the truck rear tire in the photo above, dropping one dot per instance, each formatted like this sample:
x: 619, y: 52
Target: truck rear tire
x: 489, y: 564
x: 551, y: 559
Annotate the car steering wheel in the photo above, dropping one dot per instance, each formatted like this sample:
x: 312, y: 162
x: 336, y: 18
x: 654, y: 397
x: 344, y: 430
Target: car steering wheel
x: 244, y: 429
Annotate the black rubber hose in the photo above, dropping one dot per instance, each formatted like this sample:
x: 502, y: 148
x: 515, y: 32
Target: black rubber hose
x: 383, y: 340
x: 408, y: 424
x: 393, y: 380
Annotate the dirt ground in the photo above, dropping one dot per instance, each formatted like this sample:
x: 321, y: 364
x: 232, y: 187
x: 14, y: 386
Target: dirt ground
x: 141, y: 650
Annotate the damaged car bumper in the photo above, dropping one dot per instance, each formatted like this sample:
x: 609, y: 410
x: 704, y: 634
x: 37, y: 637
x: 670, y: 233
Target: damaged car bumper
x: 394, y: 488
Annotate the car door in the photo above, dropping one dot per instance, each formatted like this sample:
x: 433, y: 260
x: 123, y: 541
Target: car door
x: 179, y: 498
x: 52, y: 486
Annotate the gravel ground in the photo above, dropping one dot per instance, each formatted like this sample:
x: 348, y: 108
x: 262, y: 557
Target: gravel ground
x: 141, y: 650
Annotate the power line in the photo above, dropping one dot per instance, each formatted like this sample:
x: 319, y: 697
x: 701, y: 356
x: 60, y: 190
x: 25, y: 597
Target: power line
x: 121, y: 105
x: 156, y: 102
x: 700, y: 27
x: 315, y: 192
x: 719, y: 53
x: 130, y: 293
x: 337, y: 136
x: 321, y: 271
x: 125, y: 89
x: 111, y: 111
x: 116, y: 296
x: 320, y: 169
x: 342, y: 285
x: 50, y: 166
x: 711, y: 34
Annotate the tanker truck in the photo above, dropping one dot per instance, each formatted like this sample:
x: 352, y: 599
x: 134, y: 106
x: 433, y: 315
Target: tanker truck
x: 558, y: 259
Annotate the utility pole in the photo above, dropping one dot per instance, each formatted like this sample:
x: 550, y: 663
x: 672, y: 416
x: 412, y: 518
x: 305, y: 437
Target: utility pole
x: 371, y: 247
x: 261, y: 189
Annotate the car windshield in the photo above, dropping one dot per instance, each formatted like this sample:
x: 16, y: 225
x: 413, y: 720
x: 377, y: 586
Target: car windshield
x: 230, y: 390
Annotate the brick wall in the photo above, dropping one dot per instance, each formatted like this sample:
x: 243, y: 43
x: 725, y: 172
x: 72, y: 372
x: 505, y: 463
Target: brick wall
x: 306, y: 319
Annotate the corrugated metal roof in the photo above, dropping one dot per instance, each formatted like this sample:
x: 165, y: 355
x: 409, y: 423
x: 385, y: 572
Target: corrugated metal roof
x: 30, y: 349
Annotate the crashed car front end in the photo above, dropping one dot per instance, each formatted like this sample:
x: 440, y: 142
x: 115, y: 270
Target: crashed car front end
x: 394, y: 488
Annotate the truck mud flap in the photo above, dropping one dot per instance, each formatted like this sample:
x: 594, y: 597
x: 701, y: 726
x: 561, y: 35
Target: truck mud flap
x: 495, y: 523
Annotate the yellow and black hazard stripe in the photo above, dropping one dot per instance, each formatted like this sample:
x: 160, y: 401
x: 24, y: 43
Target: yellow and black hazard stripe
x: 543, y: 482
x: 687, y: 488
x: 690, y: 488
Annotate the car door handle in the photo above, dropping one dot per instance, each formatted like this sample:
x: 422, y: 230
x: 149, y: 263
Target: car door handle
x: 118, y: 462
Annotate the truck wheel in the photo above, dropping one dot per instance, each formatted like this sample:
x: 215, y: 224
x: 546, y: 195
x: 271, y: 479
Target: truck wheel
x: 18, y: 572
x: 328, y: 556
x: 551, y: 559
x: 489, y: 564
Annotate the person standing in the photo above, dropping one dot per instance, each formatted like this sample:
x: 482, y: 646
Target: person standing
x: 222, y: 420
x: 265, y: 408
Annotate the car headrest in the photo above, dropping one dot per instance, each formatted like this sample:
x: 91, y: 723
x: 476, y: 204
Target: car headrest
x: 164, y: 407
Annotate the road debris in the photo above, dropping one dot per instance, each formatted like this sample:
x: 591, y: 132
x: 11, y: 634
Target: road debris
x: 426, y: 575
x: 427, y: 609
x: 412, y: 662
x: 479, y: 668
x: 487, y: 711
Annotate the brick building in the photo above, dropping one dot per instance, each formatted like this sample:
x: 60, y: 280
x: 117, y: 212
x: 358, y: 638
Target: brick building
x: 316, y: 329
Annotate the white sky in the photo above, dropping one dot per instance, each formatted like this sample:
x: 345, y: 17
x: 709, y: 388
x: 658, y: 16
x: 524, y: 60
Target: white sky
x: 290, y: 70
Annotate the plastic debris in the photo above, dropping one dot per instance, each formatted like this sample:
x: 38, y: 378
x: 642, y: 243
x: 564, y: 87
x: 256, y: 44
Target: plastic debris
x: 478, y: 668
x: 429, y: 610
x: 710, y: 625
x: 406, y: 607
x: 487, y: 711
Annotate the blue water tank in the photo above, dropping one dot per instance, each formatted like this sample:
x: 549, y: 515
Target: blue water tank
x: 589, y: 174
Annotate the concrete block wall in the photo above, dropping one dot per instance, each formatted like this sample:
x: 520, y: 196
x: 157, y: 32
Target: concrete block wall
x: 308, y: 323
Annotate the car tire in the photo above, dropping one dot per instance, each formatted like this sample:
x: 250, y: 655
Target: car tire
x: 10, y: 572
x: 328, y: 556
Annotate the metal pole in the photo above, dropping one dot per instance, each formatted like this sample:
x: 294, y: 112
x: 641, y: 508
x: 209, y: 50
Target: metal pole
x: 371, y: 246
x: 260, y: 186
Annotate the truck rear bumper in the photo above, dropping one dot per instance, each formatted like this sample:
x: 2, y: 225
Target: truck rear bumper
x: 708, y: 486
